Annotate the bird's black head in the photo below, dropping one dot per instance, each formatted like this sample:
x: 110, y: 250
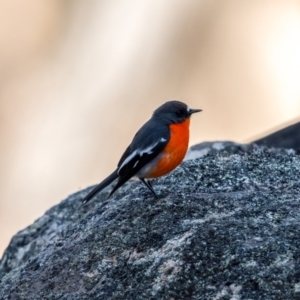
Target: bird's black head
x: 174, y: 112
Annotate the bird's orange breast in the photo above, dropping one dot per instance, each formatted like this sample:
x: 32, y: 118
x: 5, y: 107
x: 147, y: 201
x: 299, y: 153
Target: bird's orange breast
x: 174, y: 152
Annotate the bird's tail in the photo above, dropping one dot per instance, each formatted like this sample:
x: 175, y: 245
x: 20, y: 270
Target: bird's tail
x: 107, y: 181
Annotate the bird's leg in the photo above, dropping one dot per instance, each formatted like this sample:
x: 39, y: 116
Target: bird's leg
x: 150, y: 183
x: 149, y: 186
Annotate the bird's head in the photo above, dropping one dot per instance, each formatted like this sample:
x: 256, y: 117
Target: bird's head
x: 174, y: 112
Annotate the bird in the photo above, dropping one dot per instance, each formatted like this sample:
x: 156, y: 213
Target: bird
x: 157, y: 148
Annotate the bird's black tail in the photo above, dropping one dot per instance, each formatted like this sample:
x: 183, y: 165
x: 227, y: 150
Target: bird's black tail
x: 107, y: 181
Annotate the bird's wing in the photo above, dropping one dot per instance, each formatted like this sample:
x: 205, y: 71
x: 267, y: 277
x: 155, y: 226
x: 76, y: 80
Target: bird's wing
x: 149, y: 141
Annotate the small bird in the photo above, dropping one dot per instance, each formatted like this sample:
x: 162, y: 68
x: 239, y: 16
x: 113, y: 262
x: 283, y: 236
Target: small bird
x: 156, y: 149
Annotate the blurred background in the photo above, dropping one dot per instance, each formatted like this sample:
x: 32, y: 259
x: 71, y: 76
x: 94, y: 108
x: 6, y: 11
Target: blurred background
x: 78, y: 78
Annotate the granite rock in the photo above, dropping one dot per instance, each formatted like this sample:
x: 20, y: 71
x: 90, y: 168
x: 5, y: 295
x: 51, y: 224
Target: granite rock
x: 226, y: 226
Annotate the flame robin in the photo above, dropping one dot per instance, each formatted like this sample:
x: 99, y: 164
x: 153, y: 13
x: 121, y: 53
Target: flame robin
x: 156, y: 149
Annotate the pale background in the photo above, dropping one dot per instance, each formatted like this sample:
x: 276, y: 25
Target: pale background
x: 78, y: 78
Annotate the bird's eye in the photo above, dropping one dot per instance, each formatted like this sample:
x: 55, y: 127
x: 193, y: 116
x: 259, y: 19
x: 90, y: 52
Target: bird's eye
x: 179, y: 113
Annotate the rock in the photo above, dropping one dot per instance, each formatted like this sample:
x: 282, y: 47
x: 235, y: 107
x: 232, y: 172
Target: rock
x: 205, y: 148
x: 226, y: 226
x: 288, y: 137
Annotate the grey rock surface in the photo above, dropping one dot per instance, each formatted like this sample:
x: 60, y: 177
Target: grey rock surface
x: 210, y: 148
x: 226, y: 226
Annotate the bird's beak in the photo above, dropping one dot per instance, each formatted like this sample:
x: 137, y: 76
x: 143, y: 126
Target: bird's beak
x: 192, y: 111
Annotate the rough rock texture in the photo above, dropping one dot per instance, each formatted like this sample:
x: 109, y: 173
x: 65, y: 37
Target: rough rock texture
x: 227, y: 226
x: 206, y: 148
